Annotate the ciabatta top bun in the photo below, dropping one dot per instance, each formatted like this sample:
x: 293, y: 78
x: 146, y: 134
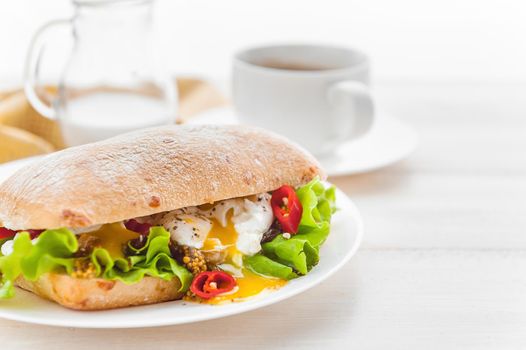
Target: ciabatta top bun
x: 148, y: 172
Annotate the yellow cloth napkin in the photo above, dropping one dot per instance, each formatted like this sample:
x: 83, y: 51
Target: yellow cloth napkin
x: 25, y: 133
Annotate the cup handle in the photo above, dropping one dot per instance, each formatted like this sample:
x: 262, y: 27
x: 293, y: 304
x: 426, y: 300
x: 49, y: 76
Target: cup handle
x: 32, y: 66
x: 351, y: 97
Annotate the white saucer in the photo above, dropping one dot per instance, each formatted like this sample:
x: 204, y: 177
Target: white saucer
x: 389, y: 141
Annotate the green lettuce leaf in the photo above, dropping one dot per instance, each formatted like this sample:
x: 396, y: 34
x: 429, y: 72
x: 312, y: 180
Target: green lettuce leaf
x: 318, y: 205
x: 54, y: 249
x: 52, y: 252
x: 297, y: 253
x: 289, y: 258
x: 265, y: 266
x: 154, y: 259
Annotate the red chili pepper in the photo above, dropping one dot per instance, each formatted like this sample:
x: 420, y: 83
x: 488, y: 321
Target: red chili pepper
x: 134, y: 225
x: 6, y: 233
x: 33, y: 233
x: 287, y: 208
x: 211, y: 283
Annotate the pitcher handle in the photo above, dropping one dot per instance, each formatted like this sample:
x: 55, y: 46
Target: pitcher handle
x: 32, y: 66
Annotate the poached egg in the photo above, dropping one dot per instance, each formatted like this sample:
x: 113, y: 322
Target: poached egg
x: 250, y: 218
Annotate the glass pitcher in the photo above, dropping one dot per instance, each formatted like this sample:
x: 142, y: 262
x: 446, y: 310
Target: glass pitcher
x: 111, y: 83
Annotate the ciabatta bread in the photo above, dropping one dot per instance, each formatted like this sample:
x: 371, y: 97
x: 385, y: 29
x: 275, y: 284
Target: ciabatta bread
x: 100, y: 294
x: 150, y: 171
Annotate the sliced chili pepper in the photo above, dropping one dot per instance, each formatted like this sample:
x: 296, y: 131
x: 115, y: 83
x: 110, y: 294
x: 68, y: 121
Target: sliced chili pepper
x: 287, y: 208
x: 134, y: 225
x: 211, y: 283
x: 33, y: 233
x: 6, y: 233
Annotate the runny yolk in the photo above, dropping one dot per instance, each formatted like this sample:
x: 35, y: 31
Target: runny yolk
x: 225, y: 236
x: 113, y: 237
x: 251, y: 283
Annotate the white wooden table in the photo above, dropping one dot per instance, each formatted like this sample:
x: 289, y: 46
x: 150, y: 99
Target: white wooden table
x: 443, y: 264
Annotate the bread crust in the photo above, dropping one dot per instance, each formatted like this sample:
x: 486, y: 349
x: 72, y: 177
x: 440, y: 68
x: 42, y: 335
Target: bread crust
x: 100, y: 294
x: 150, y: 171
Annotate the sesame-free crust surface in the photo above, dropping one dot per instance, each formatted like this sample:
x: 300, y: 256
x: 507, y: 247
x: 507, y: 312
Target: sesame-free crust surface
x: 150, y: 171
x: 100, y: 294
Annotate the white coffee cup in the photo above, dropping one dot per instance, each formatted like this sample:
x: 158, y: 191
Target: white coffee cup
x: 315, y: 95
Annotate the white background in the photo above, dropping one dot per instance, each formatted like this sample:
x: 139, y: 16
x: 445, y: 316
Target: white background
x: 465, y: 40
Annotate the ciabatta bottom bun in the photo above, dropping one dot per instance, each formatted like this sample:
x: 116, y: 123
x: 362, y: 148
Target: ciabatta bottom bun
x: 100, y: 294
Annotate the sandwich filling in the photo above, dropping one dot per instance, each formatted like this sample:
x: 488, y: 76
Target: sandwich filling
x: 220, y: 252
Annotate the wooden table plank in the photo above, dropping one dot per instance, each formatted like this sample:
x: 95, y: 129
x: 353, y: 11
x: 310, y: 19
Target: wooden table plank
x: 465, y: 186
x: 438, y: 210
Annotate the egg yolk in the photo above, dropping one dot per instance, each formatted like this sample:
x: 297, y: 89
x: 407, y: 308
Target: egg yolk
x: 225, y: 236
x: 251, y: 283
x: 113, y: 237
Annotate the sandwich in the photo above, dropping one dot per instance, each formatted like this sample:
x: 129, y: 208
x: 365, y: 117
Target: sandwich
x: 209, y: 214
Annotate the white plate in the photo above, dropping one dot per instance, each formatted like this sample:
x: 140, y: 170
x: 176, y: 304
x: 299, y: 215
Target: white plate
x: 344, y: 240
x: 389, y: 141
